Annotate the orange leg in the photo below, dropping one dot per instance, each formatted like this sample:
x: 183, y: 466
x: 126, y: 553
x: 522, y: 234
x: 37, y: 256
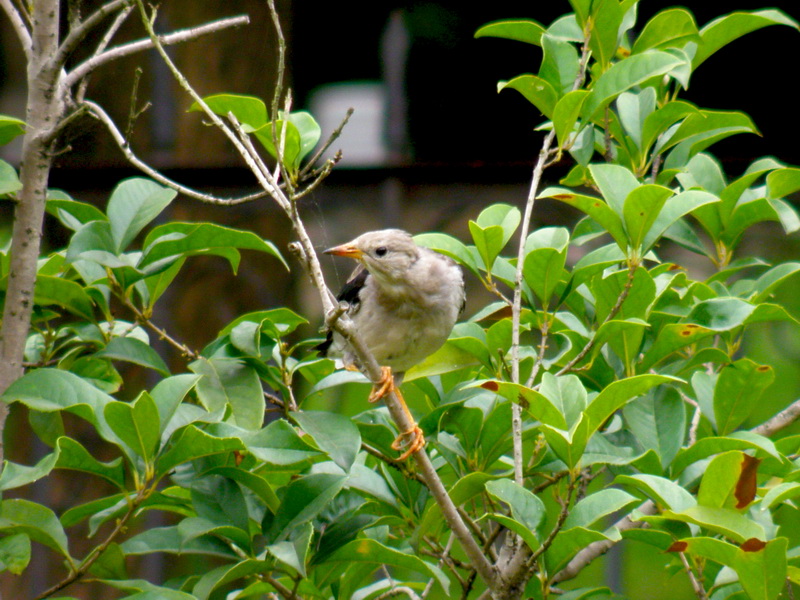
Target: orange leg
x: 412, y: 439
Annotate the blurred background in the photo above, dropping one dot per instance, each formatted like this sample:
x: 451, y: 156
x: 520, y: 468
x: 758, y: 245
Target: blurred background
x: 430, y: 144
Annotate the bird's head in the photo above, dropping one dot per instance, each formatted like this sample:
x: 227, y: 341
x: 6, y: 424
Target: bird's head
x: 387, y: 254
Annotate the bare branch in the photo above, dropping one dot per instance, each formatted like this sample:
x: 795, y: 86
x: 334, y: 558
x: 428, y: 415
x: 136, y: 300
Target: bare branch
x: 595, y: 549
x: 699, y: 591
x: 786, y: 417
x: 102, y: 45
x: 177, y: 37
x: 96, y: 111
x: 77, y: 34
x: 18, y: 23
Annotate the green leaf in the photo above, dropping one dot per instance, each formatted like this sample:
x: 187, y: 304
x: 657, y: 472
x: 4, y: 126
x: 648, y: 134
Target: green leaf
x: 619, y: 393
x: 14, y: 475
x: 134, y: 203
x: 229, y: 381
x: 723, y: 30
x: 625, y: 74
x: 303, y: 500
x: 545, y: 256
x: 335, y: 434
x: 526, y: 508
x: 560, y: 63
x: 607, y: 18
x: 659, y: 422
x: 771, y: 279
x: 666, y: 493
x: 38, y: 522
x: 215, y: 578
x: 725, y: 521
x: 740, y: 440
x: 65, y: 293
x: 539, y: 405
x: 669, y: 28
x: 136, y: 424
x: 642, y: 207
x: 634, y: 108
x: 521, y: 30
x: 134, y: 351
x: 595, y: 208
x: 570, y: 445
x: 9, y: 181
x: 72, y: 455
x: 248, y: 110
x: 309, y: 131
x: 536, y: 90
x: 169, y: 242
x: 49, y: 390
x: 72, y: 214
x: 720, y: 314
x: 591, y: 510
x: 158, y: 284
x: 10, y: 127
x: 493, y: 229
x: 15, y: 552
x: 738, y: 390
x: 192, y: 443
x: 566, y: 113
x: 658, y: 122
x: 448, y: 246
x: 616, y: 183
x: 370, y: 551
x: 782, y: 182
x: 674, y: 208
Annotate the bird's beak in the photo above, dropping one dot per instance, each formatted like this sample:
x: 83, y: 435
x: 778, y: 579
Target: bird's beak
x: 349, y: 250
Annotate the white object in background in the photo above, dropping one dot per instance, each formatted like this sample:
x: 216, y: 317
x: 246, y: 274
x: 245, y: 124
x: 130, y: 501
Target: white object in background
x: 363, y: 141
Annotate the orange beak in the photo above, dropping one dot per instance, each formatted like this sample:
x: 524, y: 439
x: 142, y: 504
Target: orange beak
x: 348, y: 250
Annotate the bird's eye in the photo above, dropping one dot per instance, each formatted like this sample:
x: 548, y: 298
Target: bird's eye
x: 380, y: 251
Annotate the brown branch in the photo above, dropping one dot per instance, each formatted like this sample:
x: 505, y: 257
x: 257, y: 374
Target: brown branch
x: 176, y: 37
x: 97, y: 112
x: 582, y: 559
x: 783, y: 419
x: 80, y: 94
x: 698, y: 588
x: 77, y: 34
x: 97, y: 551
x: 20, y: 28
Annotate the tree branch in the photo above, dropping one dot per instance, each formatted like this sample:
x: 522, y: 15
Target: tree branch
x: 77, y: 34
x: 595, y: 549
x: 183, y: 35
x: 19, y: 26
x: 786, y: 417
x: 96, y: 111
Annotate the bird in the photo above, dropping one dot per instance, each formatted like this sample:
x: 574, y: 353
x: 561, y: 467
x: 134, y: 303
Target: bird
x: 404, y: 300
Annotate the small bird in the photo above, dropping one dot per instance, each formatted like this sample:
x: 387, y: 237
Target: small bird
x: 404, y: 300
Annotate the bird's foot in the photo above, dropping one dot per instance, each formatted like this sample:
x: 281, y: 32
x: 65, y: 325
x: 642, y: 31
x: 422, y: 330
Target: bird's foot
x: 384, y: 386
x: 412, y: 439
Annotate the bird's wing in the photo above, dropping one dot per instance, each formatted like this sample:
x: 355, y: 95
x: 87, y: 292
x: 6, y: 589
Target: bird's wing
x: 349, y: 293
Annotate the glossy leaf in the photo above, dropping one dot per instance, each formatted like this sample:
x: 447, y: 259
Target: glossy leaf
x: 10, y: 127
x: 134, y: 351
x: 9, y: 181
x: 36, y: 521
x: 250, y: 111
x: 723, y: 30
x: 230, y: 382
x: 134, y: 203
x: 304, y: 499
x: 536, y: 90
x: 334, y: 434
x: 136, y: 423
x: 671, y: 27
x: 521, y: 30
x: 625, y: 74
x: 738, y: 390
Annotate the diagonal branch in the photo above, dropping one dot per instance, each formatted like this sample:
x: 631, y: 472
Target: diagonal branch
x: 183, y: 35
x: 19, y: 26
x: 96, y: 111
x: 77, y: 34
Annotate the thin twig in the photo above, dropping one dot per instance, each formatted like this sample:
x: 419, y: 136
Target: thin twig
x: 331, y: 138
x: 783, y: 419
x: 77, y: 34
x: 20, y: 28
x: 699, y: 591
x: 176, y: 37
x: 96, y: 111
x: 623, y: 295
x: 80, y: 94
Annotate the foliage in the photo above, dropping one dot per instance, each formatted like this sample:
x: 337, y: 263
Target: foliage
x: 635, y: 392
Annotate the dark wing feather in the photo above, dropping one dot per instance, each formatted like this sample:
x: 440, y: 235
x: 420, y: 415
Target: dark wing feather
x: 350, y: 294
